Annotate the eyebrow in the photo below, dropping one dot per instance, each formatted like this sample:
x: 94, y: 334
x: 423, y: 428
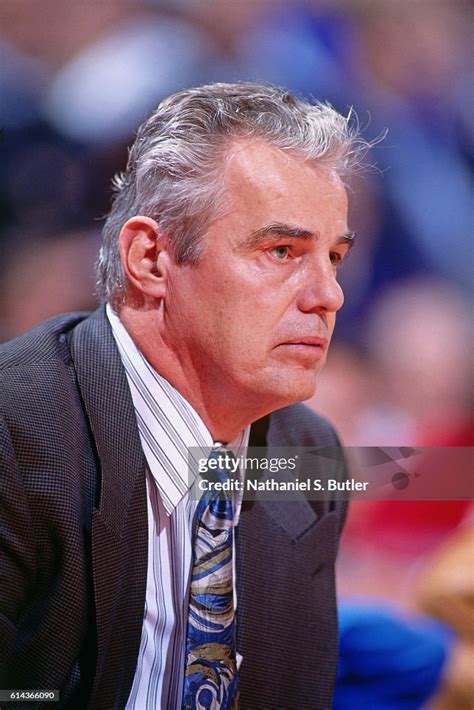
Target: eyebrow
x: 279, y: 229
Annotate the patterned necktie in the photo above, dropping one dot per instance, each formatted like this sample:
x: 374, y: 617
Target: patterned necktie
x: 210, y: 680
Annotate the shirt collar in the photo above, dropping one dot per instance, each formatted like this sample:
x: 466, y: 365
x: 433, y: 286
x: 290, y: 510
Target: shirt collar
x: 168, y: 425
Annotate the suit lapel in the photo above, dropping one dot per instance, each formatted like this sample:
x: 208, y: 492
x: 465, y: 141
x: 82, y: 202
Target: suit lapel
x: 119, y: 521
x: 294, y: 516
x: 111, y: 414
x: 281, y: 549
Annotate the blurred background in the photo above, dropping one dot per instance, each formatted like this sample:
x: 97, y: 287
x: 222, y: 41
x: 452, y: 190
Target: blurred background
x: 77, y: 78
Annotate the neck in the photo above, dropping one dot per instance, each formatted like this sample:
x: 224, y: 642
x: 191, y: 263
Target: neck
x: 224, y: 413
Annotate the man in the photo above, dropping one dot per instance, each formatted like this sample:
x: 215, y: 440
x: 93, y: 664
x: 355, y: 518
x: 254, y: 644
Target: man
x: 219, y: 271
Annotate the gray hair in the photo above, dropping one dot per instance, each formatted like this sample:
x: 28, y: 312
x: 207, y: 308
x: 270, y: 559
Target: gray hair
x: 174, y: 169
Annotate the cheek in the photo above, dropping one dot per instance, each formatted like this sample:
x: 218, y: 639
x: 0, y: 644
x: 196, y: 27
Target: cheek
x: 239, y: 307
x: 242, y: 338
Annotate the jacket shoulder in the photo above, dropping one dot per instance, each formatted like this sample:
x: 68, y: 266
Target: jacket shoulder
x: 42, y: 343
x: 37, y: 384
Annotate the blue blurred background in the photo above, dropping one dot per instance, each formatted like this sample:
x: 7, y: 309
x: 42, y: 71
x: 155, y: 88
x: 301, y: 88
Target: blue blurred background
x: 77, y: 78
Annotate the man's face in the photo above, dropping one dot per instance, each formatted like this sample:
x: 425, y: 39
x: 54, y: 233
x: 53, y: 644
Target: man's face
x: 254, y: 318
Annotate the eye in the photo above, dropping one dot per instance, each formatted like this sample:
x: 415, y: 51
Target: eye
x: 281, y: 252
x: 335, y: 257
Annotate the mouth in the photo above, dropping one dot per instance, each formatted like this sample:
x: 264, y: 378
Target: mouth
x: 307, y: 347
x: 311, y: 341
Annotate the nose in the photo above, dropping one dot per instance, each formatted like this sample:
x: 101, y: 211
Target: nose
x: 320, y: 292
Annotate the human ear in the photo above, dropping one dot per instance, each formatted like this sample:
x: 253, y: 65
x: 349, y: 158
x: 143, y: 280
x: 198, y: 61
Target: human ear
x: 144, y: 256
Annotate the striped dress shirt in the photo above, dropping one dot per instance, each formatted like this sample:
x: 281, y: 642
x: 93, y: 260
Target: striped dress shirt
x: 167, y: 426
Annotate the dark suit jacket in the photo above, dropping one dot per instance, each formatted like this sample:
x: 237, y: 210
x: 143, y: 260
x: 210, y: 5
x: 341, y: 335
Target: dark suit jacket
x: 73, y: 542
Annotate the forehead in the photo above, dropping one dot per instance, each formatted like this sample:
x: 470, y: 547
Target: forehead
x: 264, y: 183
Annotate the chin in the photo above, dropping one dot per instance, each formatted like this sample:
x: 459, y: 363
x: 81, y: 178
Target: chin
x: 302, y: 394
x: 299, y: 389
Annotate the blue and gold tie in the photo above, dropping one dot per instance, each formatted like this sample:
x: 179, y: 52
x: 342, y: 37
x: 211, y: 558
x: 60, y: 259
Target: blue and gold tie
x: 210, y: 680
